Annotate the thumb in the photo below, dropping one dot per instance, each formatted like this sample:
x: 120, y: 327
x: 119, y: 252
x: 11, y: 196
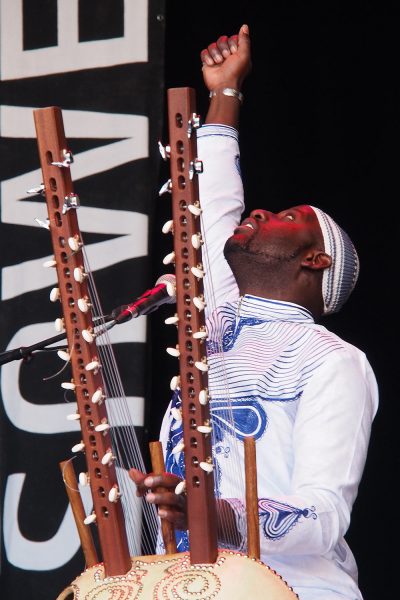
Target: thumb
x: 244, y: 36
x: 136, y: 475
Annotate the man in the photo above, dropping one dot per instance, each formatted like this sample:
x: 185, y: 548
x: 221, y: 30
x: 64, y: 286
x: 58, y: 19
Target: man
x: 308, y: 397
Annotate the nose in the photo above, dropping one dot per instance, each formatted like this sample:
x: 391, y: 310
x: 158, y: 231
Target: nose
x: 260, y: 214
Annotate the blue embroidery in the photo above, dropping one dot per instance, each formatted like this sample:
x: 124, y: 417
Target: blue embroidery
x: 237, y: 164
x: 173, y: 463
x: 241, y: 418
x: 182, y: 540
x: 278, y: 518
x: 232, y: 333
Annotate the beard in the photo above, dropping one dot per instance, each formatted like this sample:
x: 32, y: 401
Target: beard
x: 235, y: 250
x: 254, y: 266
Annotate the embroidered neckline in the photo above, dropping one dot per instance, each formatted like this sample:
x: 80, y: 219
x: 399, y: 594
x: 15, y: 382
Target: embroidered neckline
x: 267, y: 309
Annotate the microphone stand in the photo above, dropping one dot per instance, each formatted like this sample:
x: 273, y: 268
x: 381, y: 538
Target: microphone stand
x: 26, y: 352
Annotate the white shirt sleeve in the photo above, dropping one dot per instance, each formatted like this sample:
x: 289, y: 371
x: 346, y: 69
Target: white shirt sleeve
x: 330, y: 442
x: 221, y: 199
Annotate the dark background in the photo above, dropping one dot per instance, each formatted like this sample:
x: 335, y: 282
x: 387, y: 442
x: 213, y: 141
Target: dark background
x: 319, y: 125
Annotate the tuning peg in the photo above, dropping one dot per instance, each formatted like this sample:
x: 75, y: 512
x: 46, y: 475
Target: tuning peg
x: 198, y: 271
x: 84, y: 304
x: 107, y: 458
x: 195, y: 208
x: 70, y: 201
x: 88, y: 335
x: 67, y: 157
x: 54, y: 294
x: 176, y: 413
x: 74, y: 243
x: 64, y: 355
x: 78, y: 447
x: 207, y: 466
x: 166, y: 188
x: 165, y: 151
x: 174, y: 351
x: 180, y: 446
x: 114, y: 494
x: 73, y: 417
x: 59, y: 325
x: 197, y: 240
x: 204, y: 397
x: 48, y: 264
x: 171, y: 289
x: 94, y: 365
x: 68, y: 385
x: 170, y: 258
x: 206, y: 429
x: 181, y: 487
x: 172, y: 320
x: 193, y: 123
x: 175, y: 382
x: 98, y: 396
x: 79, y: 274
x: 36, y: 190
x: 202, y: 364
x: 199, y: 302
x: 201, y: 334
x: 83, y: 479
x: 45, y: 224
x: 90, y: 519
x: 195, y: 166
x: 168, y: 226
x: 102, y: 427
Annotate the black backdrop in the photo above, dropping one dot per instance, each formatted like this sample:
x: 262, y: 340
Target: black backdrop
x: 319, y: 125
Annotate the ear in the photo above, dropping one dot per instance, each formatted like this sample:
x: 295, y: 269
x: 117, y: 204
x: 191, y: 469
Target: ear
x: 316, y: 260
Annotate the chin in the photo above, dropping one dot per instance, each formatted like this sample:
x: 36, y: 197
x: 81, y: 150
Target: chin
x: 236, y: 243
x: 236, y: 257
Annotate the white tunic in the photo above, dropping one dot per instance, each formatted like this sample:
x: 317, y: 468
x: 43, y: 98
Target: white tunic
x: 307, y: 396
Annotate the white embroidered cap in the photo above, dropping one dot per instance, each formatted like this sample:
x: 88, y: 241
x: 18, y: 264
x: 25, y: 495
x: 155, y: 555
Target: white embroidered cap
x: 339, y: 279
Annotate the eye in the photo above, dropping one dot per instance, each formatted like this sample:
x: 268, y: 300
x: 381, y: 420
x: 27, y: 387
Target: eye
x: 289, y: 217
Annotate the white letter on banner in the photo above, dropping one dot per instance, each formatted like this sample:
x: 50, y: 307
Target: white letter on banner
x: 132, y: 227
x: 37, y: 556
x: 58, y: 550
x: 52, y: 418
x: 69, y: 54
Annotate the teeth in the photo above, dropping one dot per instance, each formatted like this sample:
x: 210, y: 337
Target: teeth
x: 249, y: 225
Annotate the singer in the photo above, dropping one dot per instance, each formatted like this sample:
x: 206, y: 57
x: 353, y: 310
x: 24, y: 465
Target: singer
x: 314, y: 395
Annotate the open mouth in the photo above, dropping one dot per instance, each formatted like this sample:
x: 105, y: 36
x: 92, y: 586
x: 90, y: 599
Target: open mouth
x: 247, y: 224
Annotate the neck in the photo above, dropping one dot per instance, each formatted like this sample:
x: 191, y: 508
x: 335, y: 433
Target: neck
x: 310, y: 299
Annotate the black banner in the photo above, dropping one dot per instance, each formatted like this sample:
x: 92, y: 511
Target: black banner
x: 102, y: 64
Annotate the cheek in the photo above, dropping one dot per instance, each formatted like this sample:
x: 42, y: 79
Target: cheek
x: 282, y: 238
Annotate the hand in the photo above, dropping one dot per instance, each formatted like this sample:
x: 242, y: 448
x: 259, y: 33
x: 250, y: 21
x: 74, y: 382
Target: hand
x: 227, y: 62
x: 160, y: 490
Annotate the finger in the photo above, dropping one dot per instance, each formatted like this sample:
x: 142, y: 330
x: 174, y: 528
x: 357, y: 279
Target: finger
x: 138, y: 478
x: 233, y: 43
x: 178, y: 519
x: 206, y: 58
x: 167, y: 480
x: 136, y: 475
x: 215, y: 53
x: 167, y: 499
x: 223, y: 46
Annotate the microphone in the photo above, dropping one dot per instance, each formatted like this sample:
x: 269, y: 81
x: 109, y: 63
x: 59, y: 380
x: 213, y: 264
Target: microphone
x: 162, y: 293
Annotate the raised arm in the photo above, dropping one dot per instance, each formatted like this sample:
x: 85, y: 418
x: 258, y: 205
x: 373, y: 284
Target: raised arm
x: 225, y: 64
